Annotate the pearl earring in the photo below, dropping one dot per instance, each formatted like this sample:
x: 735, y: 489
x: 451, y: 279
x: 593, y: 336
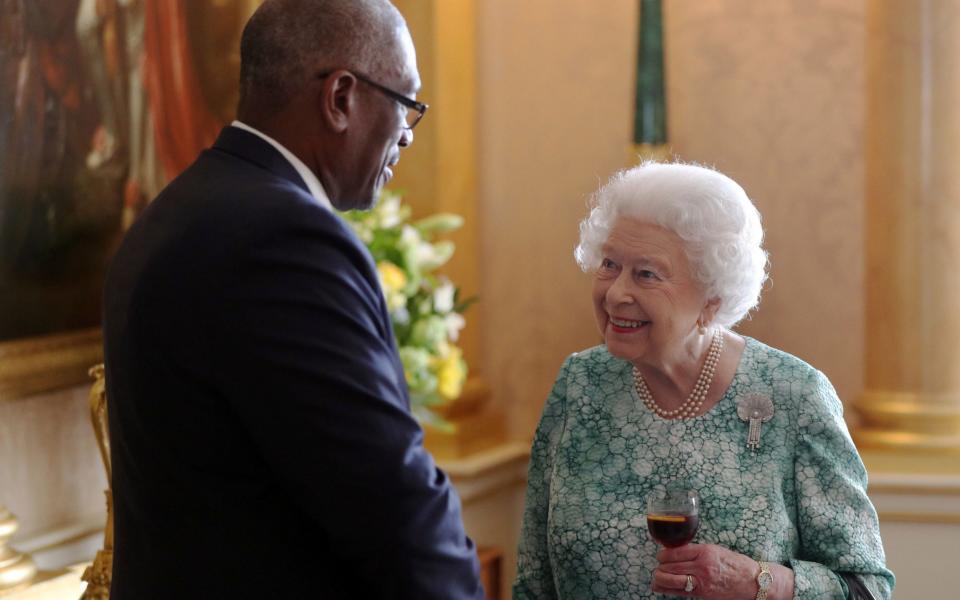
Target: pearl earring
x: 701, y: 328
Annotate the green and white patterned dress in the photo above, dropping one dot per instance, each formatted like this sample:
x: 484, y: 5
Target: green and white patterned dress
x: 799, y: 500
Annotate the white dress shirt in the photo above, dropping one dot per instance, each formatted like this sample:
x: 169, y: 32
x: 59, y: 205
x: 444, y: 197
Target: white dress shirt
x: 313, y: 184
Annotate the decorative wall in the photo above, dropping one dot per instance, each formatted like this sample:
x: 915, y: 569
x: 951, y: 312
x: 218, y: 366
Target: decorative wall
x: 772, y: 93
x: 50, y: 469
x: 555, y: 105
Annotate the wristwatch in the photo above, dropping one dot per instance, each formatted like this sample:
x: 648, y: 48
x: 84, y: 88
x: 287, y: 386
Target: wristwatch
x: 764, y: 580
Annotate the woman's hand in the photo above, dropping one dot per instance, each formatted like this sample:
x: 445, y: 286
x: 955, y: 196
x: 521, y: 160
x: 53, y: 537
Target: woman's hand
x: 718, y: 574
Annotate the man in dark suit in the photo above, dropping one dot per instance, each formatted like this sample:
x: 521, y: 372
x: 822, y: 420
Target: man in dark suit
x: 262, y: 441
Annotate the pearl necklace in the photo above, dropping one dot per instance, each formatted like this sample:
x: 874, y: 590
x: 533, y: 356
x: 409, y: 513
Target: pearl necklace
x: 692, y: 404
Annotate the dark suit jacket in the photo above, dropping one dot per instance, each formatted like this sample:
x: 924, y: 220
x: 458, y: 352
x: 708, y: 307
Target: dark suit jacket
x: 261, y: 435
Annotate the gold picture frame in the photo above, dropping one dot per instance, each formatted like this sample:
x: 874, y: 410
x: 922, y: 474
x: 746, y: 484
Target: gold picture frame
x: 41, y: 364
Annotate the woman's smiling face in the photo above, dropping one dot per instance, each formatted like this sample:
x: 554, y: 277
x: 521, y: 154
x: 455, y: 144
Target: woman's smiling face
x: 646, y: 299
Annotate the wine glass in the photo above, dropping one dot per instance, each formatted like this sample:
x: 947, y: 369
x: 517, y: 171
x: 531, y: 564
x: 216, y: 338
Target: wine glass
x: 673, y: 515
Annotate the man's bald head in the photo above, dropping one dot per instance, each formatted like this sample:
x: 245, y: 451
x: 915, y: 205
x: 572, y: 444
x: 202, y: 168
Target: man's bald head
x: 287, y: 42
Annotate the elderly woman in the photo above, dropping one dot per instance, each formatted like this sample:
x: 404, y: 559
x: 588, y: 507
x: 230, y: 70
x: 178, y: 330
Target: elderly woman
x: 673, y: 395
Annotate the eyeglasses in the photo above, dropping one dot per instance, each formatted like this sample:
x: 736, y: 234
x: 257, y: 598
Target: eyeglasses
x: 415, y: 110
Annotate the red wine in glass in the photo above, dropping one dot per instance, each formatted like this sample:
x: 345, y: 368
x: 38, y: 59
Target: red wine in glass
x: 673, y: 516
x: 673, y: 530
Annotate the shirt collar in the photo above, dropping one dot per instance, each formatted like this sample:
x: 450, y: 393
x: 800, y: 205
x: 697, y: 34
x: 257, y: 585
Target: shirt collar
x: 309, y: 178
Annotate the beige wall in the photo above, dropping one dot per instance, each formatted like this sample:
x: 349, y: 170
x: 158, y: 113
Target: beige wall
x: 769, y: 92
x: 50, y: 469
x: 554, y: 120
x: 772, y: 93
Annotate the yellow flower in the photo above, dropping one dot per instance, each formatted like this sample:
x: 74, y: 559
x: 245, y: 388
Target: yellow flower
x: 392, y: 277
x: 451, y: 373
x: 392, y: 280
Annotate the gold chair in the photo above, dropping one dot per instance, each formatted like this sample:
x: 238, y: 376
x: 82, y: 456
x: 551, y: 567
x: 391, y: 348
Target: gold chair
x: 98, y: 574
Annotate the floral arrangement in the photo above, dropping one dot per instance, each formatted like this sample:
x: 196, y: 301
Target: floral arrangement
x: 424, y: 307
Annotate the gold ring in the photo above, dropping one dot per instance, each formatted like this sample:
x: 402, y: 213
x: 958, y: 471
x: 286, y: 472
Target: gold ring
x: 689, y: 587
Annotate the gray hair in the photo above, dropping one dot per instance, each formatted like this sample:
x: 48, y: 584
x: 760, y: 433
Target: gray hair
x: 287, y: 42
x: 719, y: 225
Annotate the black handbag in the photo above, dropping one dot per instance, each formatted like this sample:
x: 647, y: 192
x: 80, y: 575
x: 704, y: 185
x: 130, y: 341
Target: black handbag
x: 856, y: 589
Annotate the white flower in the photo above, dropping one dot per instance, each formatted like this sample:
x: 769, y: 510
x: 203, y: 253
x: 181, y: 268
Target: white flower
x: 426, y: 253
x: 409, y: 238
x: 454, y: 322
x: 390, y: 211
x: 400, y: 316
x: 430, y: 256
x: 443, y: 298
x: 364, y: 233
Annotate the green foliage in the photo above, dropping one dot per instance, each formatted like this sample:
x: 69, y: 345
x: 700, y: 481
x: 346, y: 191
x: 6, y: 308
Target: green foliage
x: 424, y: 307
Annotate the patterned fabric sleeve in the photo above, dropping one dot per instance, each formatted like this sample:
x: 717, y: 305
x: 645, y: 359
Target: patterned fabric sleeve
x: 534, y: 573
x: 838, y: 524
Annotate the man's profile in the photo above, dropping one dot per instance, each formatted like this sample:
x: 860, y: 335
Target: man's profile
x: 262, y: 442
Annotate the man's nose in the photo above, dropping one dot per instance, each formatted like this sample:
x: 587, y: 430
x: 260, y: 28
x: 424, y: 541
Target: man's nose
x: 406, y: 138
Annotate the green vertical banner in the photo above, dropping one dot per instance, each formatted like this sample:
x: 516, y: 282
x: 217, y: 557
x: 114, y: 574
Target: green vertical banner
x: 650, y: 116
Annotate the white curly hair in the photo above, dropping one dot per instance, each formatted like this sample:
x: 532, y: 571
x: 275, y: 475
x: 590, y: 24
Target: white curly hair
x: 710, y: 212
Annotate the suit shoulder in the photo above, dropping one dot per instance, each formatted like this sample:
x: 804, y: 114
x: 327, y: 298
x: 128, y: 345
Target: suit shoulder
x: 243, y: 202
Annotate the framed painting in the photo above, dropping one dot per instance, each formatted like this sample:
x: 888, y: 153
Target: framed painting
x: 101, y: 103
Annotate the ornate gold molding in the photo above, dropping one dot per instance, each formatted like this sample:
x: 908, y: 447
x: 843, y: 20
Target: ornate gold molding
x: 912, y: 490
x: 47, y: 363
x: 100, y: 573
x: 908, y: 421
x: 895, y: 469
x: 918, y: 517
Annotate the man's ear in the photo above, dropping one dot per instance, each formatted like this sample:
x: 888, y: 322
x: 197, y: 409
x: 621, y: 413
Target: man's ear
x: 338, y: 100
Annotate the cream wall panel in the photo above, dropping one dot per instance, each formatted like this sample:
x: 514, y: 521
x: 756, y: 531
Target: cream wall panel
x: 920, y: 526
x: 50, y: 468
x: 554, y: 104
x: 922, y: 556
x: 772, y: 93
